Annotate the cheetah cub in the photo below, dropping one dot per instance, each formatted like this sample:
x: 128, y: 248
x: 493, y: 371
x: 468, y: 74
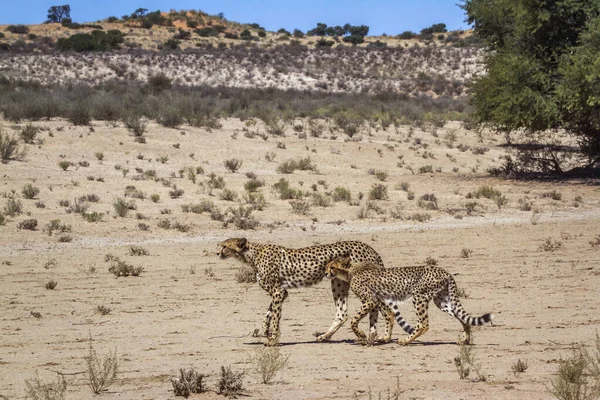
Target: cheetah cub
x: 386, y: 288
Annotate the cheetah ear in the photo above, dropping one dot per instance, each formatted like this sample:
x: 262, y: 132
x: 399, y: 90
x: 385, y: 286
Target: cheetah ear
x: 242, y: 242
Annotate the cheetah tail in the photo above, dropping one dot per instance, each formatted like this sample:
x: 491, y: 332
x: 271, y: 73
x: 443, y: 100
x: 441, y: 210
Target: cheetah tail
x: 485, y: 318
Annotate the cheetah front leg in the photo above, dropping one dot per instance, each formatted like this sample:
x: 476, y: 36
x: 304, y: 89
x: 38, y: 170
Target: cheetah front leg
x: 267, y: 320
x: 278, y: 296
x: 365, y: 309
x: 339, y: 289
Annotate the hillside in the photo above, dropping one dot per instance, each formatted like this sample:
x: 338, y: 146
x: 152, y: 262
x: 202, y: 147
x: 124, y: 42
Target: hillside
x: 195, y: 29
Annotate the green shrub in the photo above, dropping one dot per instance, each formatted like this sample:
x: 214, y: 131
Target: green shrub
x: 97, y: 40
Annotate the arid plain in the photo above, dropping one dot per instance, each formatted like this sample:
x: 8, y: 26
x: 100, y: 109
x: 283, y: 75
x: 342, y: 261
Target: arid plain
x: 533, y: 260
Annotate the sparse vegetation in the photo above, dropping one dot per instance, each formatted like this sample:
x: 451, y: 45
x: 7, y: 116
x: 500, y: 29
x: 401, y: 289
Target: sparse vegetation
x: 578, y: 377
x: 189, y: 382
x: 267, y: 361
x: 233, y: 164
x: 101, y: 371
x: 37, y: 389
x: 10, y: 148
x: 230, y: 383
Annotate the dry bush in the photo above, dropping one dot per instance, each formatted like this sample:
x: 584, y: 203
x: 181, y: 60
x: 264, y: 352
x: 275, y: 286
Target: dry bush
x: 285, y: 191
x: 55, y: 225
x: 13, y: 207
x: 64, y: 165
x: 578, y: 377
x: 381, y: 175
x: 29, y: 191
x: 428, y: 202
x: 241, y: 217
x: 231, y: 383
x: 233, y: 164
x: 28, y: 224
x: 188, y: 382
x: 267, y: 361
x: 378, y: 192
x: 79, y: 206
x: 102, y: 310
x: 466, y: 253
x: 519, y: 367
x: 301, y: 207
x: 92, y: 216
x: 101, y: 372
x: 136, y: 126
x: 340, y: 193
x: 121, y: 268
x: 28, y: 133
x: 36, y: 389
x: 65, y: 239
x: 228, y: 195
x: 471, y: 207
x: 465, y: 363
x: 138, y: 251
x: 9, y: 148
x: 122, y: 207
x: 253, y: 184
x: 255, y: 200
x: 550, y: 245
x: 321, y: 200
x: 51, y: 285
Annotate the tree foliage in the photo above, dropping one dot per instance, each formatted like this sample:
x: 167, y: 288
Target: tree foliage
x: 543, y: 70
x: 59, y: 13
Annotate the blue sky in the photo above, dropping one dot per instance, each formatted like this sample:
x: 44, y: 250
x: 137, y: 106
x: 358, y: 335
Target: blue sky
x: 383, y: 16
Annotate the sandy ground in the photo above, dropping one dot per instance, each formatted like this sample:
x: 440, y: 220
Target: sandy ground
x: 187, y: 310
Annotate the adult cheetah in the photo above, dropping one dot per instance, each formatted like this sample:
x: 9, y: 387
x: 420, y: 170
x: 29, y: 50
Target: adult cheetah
x: 386, y: 288
x: 280, y: 268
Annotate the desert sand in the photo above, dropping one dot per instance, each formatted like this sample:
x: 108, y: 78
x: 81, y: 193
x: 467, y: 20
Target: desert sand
x: 533, y: 267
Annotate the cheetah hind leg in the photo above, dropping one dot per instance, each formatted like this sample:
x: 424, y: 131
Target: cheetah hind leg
x: 389, y: 323
x: 421, y: 304
x: 279, y: 295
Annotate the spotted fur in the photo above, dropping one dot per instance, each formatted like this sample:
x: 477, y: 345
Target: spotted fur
x: 280, y: 268
x: 386, y: 288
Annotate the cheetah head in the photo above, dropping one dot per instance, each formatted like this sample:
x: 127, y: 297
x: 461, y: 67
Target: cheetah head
x: 338, y: 268
x: 233, y: 247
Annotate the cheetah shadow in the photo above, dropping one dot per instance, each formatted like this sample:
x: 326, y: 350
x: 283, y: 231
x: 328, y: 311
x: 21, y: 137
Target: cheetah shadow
x: 352, y: 342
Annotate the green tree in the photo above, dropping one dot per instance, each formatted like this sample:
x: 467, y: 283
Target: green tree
x: 320, y: 30
x: 543, y: 74
x: 58, y: 13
